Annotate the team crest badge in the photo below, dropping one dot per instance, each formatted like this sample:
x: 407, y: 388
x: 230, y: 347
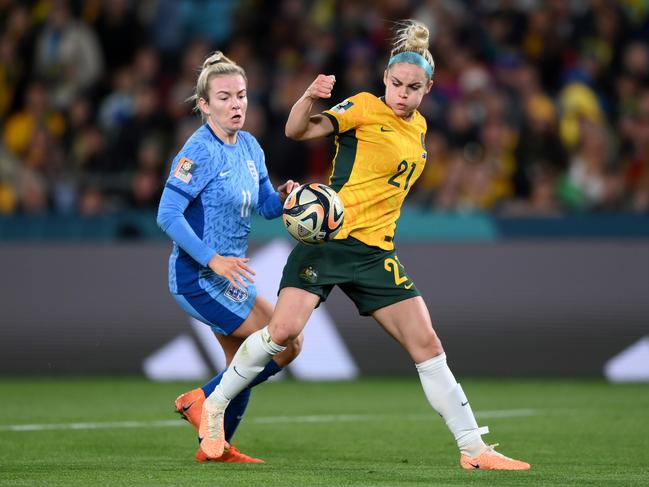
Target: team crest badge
x: 309, y: 275
x: 238, y: 295
x: 253, y: 169
x: 342, y: 107
x: 184, y: 170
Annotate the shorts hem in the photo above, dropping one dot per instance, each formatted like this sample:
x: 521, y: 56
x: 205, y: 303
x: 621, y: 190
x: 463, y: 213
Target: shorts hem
x: 387, y: 302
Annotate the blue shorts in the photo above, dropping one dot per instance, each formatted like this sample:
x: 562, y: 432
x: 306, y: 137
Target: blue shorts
x: 224, y: 308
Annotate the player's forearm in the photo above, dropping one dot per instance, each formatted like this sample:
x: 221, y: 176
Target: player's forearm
x: 298, y: 120
x: 171, y: 220
x: 269, y: 203
x: 181, y: 233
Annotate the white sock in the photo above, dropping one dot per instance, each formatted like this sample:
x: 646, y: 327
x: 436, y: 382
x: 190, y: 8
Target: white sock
x: 251, y: 358
x: 446, y: 396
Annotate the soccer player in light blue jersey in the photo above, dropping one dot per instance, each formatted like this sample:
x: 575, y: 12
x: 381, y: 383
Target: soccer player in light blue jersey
x: 216, y: 181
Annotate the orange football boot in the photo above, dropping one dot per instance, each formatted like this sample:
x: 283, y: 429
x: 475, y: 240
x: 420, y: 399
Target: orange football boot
x: 211, y: 436
x: 492, y: 460
x: 231, y: 454
x: 189, y: 405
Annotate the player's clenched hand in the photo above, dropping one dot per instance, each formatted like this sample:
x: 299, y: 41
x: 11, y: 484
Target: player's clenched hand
x: 234, y: 269
x: 321, y: 87
x: 285, y: 189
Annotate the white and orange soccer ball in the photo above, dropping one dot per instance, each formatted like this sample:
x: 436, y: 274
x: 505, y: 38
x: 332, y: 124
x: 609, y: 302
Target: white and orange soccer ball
x: 313, y: 213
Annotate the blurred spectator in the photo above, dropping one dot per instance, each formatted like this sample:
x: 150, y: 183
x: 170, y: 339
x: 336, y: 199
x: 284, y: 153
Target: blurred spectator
x: 592, y: 182
x: 21, y: 127
x: 637, y: 163
x: 68, y: 54
x: 119, y: 105
x: 539, y: 152
x: 118, y: 31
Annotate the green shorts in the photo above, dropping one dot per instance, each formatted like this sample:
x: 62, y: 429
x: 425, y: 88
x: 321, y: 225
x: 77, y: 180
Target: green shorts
x: 373, y: 278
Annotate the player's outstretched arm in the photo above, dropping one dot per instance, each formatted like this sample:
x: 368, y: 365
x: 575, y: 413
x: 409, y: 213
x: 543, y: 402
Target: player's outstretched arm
x: 300, y: 124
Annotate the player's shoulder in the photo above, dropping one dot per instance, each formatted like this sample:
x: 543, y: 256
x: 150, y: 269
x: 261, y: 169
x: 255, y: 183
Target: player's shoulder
x: 202, y: 151
x: 198, y: 143
x: 360, y: 102
x: 249, y: 142
x: 248, y: 139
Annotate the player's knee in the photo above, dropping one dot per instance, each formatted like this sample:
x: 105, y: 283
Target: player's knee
x: 285, y: 331
x: 429, y: 345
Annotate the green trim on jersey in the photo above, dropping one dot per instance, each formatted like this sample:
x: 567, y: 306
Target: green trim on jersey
x: 334, y: 122
x: 344, y: 161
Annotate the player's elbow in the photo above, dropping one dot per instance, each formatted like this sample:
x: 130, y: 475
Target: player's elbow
x: 292, y: 134
x: 164, y: 218
x: 161, y: 221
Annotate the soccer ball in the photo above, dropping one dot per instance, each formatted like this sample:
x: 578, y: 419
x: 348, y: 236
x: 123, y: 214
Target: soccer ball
x: 313, y: 213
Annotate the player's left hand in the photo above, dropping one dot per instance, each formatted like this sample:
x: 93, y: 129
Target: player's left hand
x: 285, y: 189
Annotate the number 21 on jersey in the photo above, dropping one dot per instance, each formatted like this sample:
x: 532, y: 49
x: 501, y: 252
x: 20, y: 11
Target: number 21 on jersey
x: 396, y: 180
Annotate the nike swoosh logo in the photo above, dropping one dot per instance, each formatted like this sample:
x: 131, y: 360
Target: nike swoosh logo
x: 224, y: 173
x: 186, y: 408
x: 383, y: 129
x: 409, y: 285
x: 464, y: 403
x: 477, y: 465
x: 237, y: 372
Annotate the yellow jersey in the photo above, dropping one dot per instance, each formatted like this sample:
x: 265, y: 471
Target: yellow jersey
x: 378, y: 158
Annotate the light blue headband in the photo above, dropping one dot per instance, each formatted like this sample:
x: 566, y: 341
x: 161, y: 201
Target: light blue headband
x: 412, y: 58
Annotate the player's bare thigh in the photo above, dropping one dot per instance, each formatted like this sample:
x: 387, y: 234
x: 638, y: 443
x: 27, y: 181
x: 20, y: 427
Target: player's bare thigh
x: 259, y: 316
x: 292, y: 311
x: 409, y: 322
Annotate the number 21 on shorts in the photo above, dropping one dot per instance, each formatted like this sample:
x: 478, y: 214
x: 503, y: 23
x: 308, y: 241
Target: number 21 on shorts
x: 395, y: 267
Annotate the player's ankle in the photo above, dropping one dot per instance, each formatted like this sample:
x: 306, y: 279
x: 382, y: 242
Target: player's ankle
x: 474, y: 449
x: 216, y: 400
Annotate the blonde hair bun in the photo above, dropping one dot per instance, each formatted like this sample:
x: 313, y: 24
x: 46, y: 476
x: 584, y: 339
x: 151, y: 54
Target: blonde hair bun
x: 215, y: 58
x: 417, y: 36
x: 413, y: 36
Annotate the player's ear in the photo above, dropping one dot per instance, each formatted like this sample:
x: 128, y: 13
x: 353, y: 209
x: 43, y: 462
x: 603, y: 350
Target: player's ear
x: 429, y: 86
x: 204, y: 105
x: 385, y: 77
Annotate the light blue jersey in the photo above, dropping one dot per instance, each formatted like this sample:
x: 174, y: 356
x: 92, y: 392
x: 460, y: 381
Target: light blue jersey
x: 214, y: 187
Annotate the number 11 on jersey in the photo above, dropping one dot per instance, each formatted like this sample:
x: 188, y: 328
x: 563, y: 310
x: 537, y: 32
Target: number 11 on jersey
x: 246, y: 203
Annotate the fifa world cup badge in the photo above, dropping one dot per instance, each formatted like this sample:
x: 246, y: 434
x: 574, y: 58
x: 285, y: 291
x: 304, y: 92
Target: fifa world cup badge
x: 184, y: 170
x: 342, y: 107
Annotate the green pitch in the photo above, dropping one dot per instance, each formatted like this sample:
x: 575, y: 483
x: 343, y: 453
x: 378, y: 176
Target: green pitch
x: 113, y: 432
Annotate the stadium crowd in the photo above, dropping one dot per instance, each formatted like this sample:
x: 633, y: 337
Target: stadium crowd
x: 538, y: 107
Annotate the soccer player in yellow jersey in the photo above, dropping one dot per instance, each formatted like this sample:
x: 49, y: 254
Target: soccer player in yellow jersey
x: 380, y: 153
